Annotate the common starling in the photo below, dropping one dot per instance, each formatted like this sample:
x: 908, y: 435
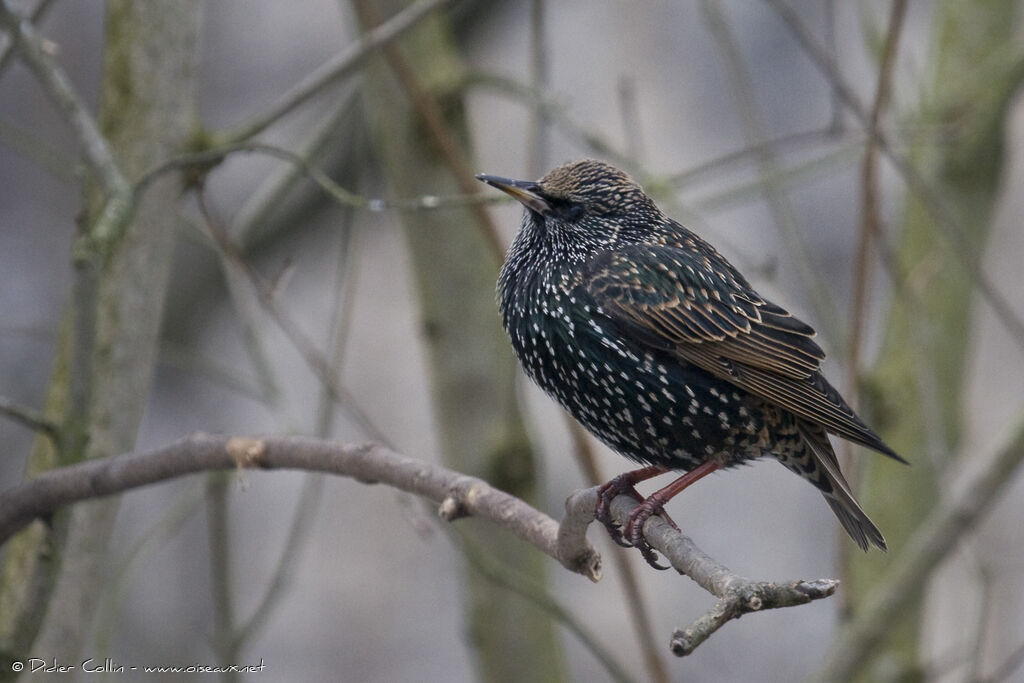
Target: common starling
x: 662, y: 349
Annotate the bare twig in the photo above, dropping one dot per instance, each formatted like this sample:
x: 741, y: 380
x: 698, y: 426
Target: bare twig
x: 95, y: 148
x: 538, y: 136
x: 870, y: 228
x: 311, y: 355
x: 539, y: 596
x: 223, y: 645
x: 318, y: 177
x: 33, y: 419
x: 437, y: 129
x: 341, y: 65
x: 737, y: 595
x: 772, y: 189
x: 870, y: 219
x: 951, y: 228
x: 34, y: 16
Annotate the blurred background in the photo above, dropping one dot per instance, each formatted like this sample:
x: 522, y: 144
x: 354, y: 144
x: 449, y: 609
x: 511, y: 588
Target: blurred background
x: 269, y: 305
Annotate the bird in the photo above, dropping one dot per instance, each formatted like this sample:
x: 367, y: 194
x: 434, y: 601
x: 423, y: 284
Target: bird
x: 662, y: 349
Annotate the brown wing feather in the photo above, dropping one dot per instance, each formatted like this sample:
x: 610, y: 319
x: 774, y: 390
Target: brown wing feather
x: 681, y: 302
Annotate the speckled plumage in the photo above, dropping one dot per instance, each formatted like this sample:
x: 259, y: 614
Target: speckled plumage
x: 660, y: 347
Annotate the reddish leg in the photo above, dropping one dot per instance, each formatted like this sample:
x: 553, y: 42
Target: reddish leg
x: 623, y: 484
x: 655, y: 503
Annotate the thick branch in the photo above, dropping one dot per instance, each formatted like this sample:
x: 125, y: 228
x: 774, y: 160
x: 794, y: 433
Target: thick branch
x: 459, y: 495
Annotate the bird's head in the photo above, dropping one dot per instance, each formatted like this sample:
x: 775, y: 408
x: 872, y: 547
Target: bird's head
x: 583, y: 205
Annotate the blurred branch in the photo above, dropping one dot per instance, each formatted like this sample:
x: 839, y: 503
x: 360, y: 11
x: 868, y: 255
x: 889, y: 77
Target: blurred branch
x: 95, y: 147
x: 34, y: 16
x: 553, y: 109
x: 341, y: 65
x: 344, y: 197
x: 636, y: 606
x: 28, y: 417
x: 538, y: 136
x: 772, y: 188
x: 224, y: 645
x: 335, y: 136
x: 978, y: 487
x: 871, y: 221
x: 427, y: 108
x: 458, y: 495
x: 313, y: 357
x: 521, y: 585
x: 933, y: 203
x: 870, y: 229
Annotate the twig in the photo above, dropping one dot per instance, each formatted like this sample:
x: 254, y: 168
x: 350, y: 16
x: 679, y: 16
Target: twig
x: 437, y: 129
x: 341, y: 65
x: 541, y: 598
x: 34, y: 16
x: 979, y: 485
x: 737, y: 595
x: 311, y: 355
x: 539, y: 132
x: 772, y: 189
x: 95, y: 149
x: 870, y: 228
x: 932, y: 202
x: 317, y: 176
x: 224, y: 644
x: 870, y: 219
x: 459, y: 495
x: 553, y: 109
x: 33, y: 419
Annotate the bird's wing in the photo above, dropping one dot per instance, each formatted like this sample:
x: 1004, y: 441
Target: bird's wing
x: 687, y: 303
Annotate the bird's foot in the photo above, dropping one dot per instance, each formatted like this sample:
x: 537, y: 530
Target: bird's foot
x: 621, y: 484
x: 633, y: 537
x: 633, y: 531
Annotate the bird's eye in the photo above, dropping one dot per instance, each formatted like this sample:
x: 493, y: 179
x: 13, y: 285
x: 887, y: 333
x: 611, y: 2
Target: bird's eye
x: 570, y: 211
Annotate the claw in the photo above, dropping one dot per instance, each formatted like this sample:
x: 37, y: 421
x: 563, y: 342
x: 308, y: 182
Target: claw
x: 626, y: 484
x: 634, y: 530
x: 622, y: 484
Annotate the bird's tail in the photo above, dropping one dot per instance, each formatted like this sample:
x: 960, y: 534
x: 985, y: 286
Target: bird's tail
x: 821, y: 468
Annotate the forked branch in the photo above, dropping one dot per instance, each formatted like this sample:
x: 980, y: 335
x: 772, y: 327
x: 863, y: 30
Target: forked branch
x: 458, y: 495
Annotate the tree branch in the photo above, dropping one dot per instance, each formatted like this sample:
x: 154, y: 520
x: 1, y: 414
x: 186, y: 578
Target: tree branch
x: 975, y: 491
x: 737, y: 595
x: 341, y: 65
x: 458, y: 495
x: 95, y: 148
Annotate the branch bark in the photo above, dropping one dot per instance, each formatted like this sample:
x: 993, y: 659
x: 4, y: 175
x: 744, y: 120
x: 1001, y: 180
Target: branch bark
x: 457, y: 495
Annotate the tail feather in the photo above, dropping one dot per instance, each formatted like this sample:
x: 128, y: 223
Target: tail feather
x: 833, y: 485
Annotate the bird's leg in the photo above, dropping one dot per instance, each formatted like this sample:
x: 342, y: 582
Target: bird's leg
x: 624, y: 483
x: 654, y: 505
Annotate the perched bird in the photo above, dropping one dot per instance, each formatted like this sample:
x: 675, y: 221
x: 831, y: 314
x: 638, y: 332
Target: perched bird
x: 662, y: 349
